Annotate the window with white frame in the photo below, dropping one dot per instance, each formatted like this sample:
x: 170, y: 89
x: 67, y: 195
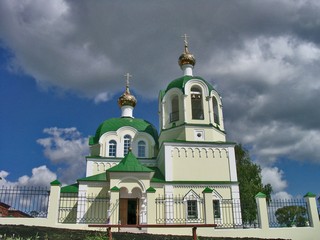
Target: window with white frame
x: 193, y: 207
x: 112, y: 148
x: 141, y: 149
x: 196, y: 103
x: 126, y: 144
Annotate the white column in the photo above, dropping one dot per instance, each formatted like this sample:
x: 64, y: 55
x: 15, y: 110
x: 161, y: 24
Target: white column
x: 312, y: 210
x: 127, y: 111
x: 143, y: 212
x: 54, y: 200
x: 82, y: 203
x: 168, y: 163
x: 168, y: 193
x: 262, y: 210
x: 187, y: 70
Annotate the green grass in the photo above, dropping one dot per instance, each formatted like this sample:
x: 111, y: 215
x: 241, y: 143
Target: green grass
x: 20, y: 232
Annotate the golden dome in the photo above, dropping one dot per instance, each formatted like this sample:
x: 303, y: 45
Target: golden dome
x: 126, y: 99
x: 186, y: 57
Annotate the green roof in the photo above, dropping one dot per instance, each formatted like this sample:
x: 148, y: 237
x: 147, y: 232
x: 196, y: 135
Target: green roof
x: 55, y: 183
x: 115, y: 189
x: 97, y: 177
x: 129, y: 164
x: 181, y: 82
x: 70, y: 188
x: 114, y: 124
x: 151, y: 190
x: 157, y: 176
x: 207, y: 190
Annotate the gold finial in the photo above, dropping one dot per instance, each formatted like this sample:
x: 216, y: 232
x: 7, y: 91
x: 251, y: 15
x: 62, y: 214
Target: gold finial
x: 126, y: 98
x: 185, y: 39
x: 186, y: 57
x: 128, y: 76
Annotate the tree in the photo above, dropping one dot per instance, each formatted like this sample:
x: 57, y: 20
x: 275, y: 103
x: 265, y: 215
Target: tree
x: 250, y: 183
x: 292, y: 215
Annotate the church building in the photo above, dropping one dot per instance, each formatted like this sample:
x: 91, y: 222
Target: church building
x: 181, y: 174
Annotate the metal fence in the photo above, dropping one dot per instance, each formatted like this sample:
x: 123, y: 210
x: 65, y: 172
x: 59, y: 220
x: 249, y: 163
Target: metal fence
x: 24, y: 201
x: 179, y: 210
x: 83, y: 209
x: 288, y: 213
x: 227, y: 214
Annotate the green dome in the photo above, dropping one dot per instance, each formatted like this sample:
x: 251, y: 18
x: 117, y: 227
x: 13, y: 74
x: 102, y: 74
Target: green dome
x: 182, y: 81
x: 114, y: 124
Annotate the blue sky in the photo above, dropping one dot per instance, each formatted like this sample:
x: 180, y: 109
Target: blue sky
x: 62, y: 65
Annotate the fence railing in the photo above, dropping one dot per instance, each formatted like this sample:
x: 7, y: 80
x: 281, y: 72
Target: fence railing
x: 228, y: 214
x: 288, y: 213
x: 24, y: 201
x: 83, y: 209
x: 179, y: 210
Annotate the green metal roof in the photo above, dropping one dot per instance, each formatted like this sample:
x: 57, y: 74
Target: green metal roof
x: 158, y: 176
x: 181, y: 82
x: 114, y: 124
x: 129, y: 164
x: 98, y: 177
x: 70, y: 188
x: 55, y: 183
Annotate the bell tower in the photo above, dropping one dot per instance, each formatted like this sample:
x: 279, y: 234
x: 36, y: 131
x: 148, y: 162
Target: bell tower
x: 190, y: 108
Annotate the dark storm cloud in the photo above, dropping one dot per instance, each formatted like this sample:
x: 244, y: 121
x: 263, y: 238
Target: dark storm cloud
x: 262, y: 56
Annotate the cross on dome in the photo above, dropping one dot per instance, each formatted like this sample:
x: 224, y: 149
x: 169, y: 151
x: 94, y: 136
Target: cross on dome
x: 185, y: 37
x: 128, y: 76
x: 127, y: 101
x: 186, y: 59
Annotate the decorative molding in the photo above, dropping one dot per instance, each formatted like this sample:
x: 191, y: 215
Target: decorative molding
x: 199, y: 152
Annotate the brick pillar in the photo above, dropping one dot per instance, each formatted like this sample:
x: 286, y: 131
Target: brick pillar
x: 151, y: 206
x: 261, y: 200
x: 312, y: 210
x: 54, y: 198
x: 113, y: 212
x: 208, y: 206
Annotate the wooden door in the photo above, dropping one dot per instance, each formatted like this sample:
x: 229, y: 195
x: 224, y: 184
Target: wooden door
x: 123, y: 209
x: 129, y: 211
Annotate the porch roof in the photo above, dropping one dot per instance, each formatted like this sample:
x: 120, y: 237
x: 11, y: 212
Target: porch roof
x: 130, y: 164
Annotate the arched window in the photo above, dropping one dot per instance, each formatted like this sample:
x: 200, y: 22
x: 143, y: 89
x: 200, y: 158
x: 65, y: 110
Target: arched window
x: 215, y: 111
x: 141, y: 149
x: 174, y: 115
x: 126, y: 144
x: 196, y: 103
x: 112, y: 148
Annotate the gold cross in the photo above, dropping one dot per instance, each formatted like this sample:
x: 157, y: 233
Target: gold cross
x: 128, y: 76
x: 185, y: 36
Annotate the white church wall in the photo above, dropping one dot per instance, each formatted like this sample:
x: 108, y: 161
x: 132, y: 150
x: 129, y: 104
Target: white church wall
x: 187, y: 163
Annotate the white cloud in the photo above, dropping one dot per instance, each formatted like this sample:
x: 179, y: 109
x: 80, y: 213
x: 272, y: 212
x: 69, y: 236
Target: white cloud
x: 282, y: 195
x: 102, y: 97
x: 66, y: 148
x: 56, y: 61
x: 274, y: 176
x: 41, y: 176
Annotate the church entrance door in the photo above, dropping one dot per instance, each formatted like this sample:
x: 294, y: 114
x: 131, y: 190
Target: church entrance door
x: 129, y: 211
